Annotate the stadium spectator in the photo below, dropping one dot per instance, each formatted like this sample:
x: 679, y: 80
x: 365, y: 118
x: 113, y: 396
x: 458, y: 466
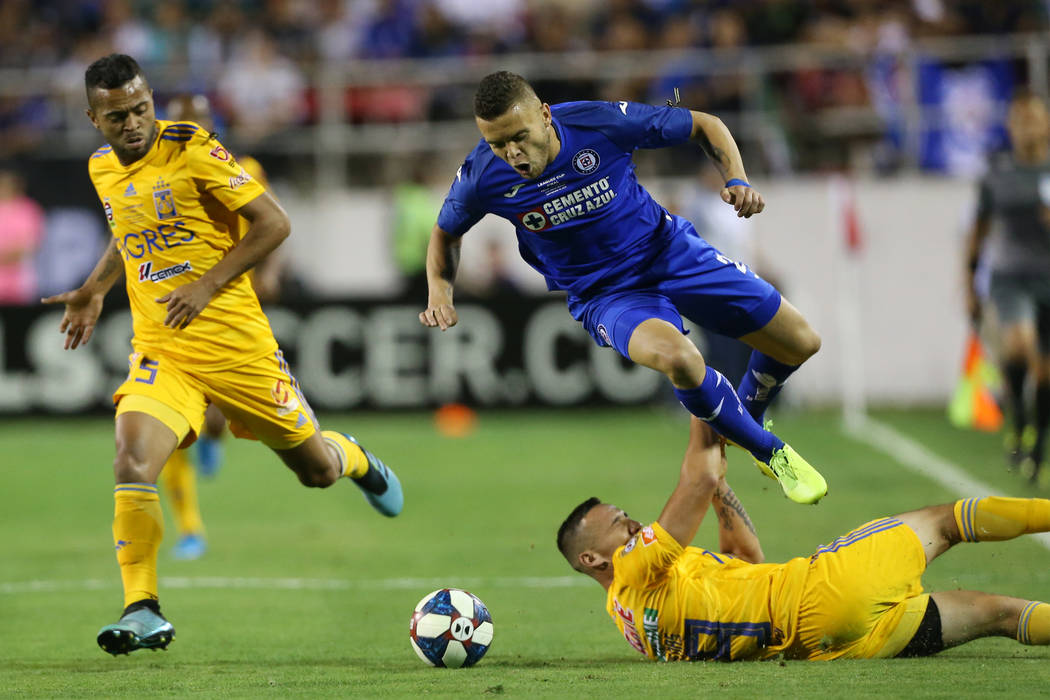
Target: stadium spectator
x: 1012, y: 231
x: 21, y: 231
x: 860, y: 596
x: 262, y: 90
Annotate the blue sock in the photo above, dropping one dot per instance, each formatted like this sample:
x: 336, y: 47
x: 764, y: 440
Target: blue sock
x: 715, y: 402
x: 762, y: 382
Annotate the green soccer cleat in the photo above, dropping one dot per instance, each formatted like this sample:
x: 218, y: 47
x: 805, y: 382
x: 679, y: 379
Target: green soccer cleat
x: 800, y: 481
x: 767, y: 425
x: 140, y: 627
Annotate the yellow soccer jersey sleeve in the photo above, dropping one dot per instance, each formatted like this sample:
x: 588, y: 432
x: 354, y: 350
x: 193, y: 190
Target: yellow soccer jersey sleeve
x: 673, y: 603
x: 173, y: 214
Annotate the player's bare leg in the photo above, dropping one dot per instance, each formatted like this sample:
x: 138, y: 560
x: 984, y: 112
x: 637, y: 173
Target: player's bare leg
x: 1020, y: 359
x: 936, y: 528
x: 969, y: 615
x: 326, y: 456
x: 143, y: 446
x: 1035, y: 464
x: 709, y: 396
x: 787, y: 338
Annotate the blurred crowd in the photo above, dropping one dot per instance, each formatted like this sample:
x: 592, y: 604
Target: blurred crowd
x: 262, y: 62
x: 214, y: 32
x: 258, y: 59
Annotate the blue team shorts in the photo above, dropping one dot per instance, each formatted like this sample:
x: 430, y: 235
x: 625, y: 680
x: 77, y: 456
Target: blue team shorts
x: 689, y: 278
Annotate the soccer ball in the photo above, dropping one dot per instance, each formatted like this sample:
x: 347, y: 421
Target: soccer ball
x: 450, y: 628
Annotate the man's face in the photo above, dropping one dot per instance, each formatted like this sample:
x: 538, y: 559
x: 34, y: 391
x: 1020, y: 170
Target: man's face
x: 521, y: 137
x: 1029, y: 124
x: 608, y: 528
x: 125, y: 117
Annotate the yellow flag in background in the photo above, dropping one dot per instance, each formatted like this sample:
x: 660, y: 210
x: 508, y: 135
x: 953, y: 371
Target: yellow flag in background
x: 973, y: 404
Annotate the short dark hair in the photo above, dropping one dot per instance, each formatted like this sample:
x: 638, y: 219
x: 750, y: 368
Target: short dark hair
x: 572, y: 523
x: 497, y: 92
x: 110, y: 72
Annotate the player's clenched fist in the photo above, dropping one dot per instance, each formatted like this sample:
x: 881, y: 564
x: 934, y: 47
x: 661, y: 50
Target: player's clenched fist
x: 746, y: 200
x: 82, y: 311
x: 442, y: 316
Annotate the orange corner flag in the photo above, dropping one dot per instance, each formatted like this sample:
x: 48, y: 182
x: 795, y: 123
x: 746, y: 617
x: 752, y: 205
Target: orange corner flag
x: 973, y: 405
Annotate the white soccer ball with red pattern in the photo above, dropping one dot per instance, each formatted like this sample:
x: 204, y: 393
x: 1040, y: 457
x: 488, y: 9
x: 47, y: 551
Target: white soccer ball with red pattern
x: 451, y: 628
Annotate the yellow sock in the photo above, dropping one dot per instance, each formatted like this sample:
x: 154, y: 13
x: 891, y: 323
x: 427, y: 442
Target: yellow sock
x: 179, y: 481
x: 353, y: 459
x: 138, y: 528
x: 996, y: 518
x: 1034, y: 626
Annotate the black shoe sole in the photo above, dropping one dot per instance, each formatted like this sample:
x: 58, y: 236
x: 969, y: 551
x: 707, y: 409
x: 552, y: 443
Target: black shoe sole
x: 118, y: 642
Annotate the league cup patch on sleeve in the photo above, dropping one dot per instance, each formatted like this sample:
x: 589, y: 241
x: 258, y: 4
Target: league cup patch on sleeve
x: 219, y: 153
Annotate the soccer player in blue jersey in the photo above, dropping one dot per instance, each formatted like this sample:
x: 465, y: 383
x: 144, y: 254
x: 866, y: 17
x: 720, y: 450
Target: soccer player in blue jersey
x: 564, y: 176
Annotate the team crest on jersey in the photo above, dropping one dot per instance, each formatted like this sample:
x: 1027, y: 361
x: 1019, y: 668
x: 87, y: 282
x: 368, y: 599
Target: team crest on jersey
x: 1044, y: 189
x: 648, y: 536
x: 534, y: 220
x: 164, y: 200
x: 585, y: 161
x: 108, y: 208
x: 284, y: 397
x: 220, y: 153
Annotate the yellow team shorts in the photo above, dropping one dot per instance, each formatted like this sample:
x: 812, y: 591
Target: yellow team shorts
x: 863, y: 594
x: 261, y: 400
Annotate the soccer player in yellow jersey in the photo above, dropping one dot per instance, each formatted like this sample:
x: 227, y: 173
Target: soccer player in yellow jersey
x: 858, y: 597
x: 178, y: 478
x: 173, y: 197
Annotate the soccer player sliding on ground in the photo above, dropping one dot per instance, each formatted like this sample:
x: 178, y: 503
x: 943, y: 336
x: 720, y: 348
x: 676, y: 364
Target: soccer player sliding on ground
x: 858, y: 597
x: 174, y: 198
x: 563, y: 175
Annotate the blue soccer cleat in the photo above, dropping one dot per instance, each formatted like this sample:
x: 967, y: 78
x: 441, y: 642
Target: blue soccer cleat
x: 140, y: 627
x: 209, y: 455
x: 379, y: 484
x: 189, y: 547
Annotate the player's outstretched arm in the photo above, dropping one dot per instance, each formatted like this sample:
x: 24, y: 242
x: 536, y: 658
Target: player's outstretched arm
x: 268, y: 227
x: 718, y: 144
x: 702, y: 469
x: 84, y: 305
x: 736, y: 533
x: 442, y: 263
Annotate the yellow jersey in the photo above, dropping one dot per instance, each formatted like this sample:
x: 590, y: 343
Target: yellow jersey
x: 675, y: 603
x: 173, y: 215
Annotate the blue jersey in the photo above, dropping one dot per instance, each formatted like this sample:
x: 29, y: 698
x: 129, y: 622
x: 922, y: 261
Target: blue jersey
x: 585, y: 223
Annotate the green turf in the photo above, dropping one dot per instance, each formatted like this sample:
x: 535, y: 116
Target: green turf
x: 481, y: 513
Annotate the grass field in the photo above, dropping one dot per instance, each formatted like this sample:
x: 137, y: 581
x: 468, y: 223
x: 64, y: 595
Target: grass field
x: 308, y: 593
